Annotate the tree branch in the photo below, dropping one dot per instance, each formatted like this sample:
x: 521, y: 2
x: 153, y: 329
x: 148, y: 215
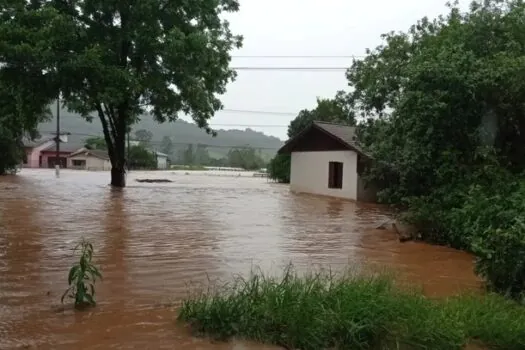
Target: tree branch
x: 107, y: 135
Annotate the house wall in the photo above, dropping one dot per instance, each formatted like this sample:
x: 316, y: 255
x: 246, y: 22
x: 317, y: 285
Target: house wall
x: 162, y: 162
x: 46, y: 155
x: 33, y: 154
x: 92, y: 163
x: 309, y: 173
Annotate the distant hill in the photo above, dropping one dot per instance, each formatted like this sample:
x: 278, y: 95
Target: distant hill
x: 181, y: 133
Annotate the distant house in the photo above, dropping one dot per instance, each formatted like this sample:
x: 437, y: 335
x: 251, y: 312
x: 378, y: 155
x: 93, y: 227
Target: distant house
x: 41, y: 152
x: 87, y: 159
x: 326, y: 159
x: 162, y: 160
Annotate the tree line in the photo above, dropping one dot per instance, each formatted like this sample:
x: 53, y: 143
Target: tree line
x: 248, y: 158
x: 142, y: 155
x: 441, y: 109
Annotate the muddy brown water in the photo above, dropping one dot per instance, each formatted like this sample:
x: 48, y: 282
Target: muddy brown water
x: 153, y: 240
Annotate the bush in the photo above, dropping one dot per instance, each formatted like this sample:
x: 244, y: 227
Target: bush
x: 498, y: 219
x: 279, y: 168
x: 320, y: 311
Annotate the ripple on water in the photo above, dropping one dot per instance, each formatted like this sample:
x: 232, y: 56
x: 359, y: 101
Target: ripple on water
x: 152, y: 240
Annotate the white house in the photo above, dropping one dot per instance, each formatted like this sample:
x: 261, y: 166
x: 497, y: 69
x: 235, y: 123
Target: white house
x: 162, y: 160
x: 326, y: 160
x: 87, y: 159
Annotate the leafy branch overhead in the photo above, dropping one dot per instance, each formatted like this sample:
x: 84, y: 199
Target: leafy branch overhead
x: 121, y: 59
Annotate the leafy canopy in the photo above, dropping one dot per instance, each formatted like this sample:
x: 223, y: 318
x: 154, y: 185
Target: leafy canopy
x: 445, y: 119
x: 120, y: 59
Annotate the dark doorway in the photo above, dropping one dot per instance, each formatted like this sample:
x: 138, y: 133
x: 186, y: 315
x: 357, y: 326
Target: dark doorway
x: 51, y: 161
x: 335, y: 175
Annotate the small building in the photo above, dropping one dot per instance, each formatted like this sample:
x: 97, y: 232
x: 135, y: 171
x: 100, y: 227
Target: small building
x: 162, y: 160
x: 326, y: 159
x: 40, y: 152
x: 88, y: 159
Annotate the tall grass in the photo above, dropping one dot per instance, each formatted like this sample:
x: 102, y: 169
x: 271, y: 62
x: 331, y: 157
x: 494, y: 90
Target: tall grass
x: 354, y: 311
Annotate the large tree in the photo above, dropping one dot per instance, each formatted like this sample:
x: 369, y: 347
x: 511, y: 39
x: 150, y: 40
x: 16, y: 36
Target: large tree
x: 334, y: 110
x: 123, y: 59
x: 446, y: 117
x: 437, y: 95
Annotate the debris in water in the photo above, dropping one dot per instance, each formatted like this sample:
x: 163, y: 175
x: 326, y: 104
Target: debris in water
x: 153, y: 180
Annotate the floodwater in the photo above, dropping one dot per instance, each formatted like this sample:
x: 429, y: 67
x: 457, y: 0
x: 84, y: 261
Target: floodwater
x: 153, y: 240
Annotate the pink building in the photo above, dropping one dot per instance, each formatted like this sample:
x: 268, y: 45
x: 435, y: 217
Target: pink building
x: 41, y: 153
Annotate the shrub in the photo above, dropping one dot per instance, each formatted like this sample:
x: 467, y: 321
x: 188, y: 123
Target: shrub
x: 82, y: 277
x: 353, y: 311
x: 279, y: 168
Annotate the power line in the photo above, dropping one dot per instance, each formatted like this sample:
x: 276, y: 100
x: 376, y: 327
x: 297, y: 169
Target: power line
x: 298, y: 56
x: 292, y: 68
x: 256, y: 112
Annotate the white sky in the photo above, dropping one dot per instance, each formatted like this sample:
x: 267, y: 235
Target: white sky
x: 302, y: 28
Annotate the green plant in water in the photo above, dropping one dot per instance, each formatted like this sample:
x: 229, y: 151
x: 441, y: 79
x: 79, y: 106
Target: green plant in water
x: 82, y: 277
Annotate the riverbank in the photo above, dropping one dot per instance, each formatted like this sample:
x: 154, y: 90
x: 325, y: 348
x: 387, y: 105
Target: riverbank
x: 352, y: 311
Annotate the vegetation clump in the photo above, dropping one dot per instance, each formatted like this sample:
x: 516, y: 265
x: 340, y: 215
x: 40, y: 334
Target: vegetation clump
x: 82, y: 277
x: 353, y: 311
x: 441, y: 111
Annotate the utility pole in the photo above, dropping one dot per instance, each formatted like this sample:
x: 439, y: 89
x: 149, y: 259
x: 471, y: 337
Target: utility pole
x: 128, y: 165
x: 57, y: 158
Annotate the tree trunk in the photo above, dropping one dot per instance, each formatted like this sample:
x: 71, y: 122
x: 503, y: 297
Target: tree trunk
x: 118, y: 176
x: 118, y: 163
x: 118, y: 169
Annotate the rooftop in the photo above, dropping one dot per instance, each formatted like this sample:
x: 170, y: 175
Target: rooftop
x: 344, y: 134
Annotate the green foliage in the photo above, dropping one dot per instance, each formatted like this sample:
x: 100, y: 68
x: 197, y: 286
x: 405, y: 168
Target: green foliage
x: 445, y: 120
x: 158, y: 60
x: 181, y: 134
x: 82, y: 277
x: 11, y: 150
x: 22, y: 107
x: 194, y: 155
x: 334, y: 110
x: 246, y: 158
x: 141, y: 158
x: 166, y: 145
x: 143, y: 136
x: 352, y: 311
x: 279, y: 168
x: 238, y: 157
x: 95, y: 143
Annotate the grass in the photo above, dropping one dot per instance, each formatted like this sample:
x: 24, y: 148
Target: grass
x: 353, y: 311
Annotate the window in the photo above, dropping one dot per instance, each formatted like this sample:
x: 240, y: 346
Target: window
x: 335, y: 175
x: 79, y: 162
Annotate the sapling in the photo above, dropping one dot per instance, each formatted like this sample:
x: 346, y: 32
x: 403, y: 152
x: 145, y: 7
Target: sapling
x: 82, y: 277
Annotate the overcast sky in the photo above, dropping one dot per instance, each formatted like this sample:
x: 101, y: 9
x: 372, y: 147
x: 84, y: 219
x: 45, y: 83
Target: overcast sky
x: 304, y: 28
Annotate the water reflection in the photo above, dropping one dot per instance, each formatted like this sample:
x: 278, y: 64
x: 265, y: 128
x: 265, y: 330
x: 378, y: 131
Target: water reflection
x: 334, y: 208
x: 22, y: 278
x: 115, y: 235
